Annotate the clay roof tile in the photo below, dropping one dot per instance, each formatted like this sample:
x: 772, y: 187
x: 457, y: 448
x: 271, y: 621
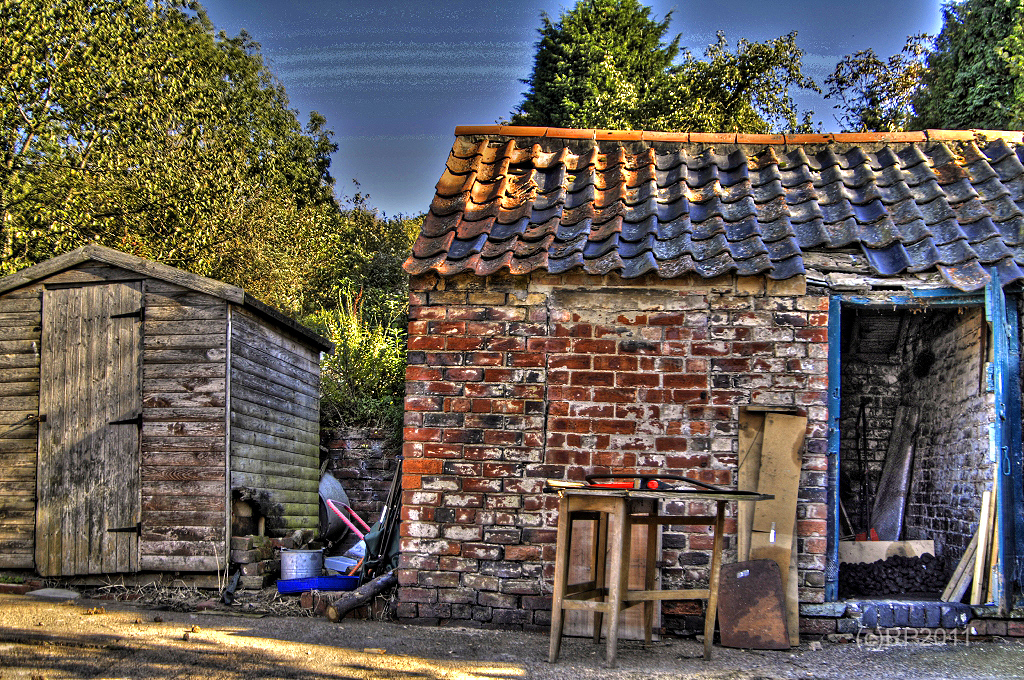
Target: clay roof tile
x: 524, y: 199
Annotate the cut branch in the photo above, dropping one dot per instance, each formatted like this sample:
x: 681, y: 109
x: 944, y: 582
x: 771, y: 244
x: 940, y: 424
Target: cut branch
x: 360, y: 596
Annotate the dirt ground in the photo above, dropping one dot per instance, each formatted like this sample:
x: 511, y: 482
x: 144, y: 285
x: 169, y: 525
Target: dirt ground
x: 44, y: 639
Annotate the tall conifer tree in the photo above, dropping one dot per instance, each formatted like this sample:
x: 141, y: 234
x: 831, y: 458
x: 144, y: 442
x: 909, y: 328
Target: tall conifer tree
x: 607, y: 64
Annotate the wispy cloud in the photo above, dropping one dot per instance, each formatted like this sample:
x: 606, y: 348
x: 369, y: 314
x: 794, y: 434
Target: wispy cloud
x: 368, y: 65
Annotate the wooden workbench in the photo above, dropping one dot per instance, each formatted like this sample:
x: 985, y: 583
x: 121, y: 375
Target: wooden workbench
x: 616, y: 511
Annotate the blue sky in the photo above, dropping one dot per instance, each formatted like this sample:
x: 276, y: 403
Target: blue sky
x: 394, y: 77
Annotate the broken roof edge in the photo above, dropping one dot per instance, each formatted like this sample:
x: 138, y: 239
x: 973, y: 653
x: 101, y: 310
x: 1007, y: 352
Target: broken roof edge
x: 164, y: 272
x: 785, y: 139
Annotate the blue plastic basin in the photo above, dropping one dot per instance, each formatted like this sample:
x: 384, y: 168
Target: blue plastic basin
x: 301, y: 585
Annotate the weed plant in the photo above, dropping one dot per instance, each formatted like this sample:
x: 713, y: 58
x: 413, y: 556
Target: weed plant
x: 362, y: 383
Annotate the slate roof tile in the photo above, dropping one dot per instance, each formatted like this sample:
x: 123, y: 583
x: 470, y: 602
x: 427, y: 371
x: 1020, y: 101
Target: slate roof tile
x: 523, y: 199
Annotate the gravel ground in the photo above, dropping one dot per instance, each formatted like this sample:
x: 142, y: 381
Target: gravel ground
x: 44, y: 639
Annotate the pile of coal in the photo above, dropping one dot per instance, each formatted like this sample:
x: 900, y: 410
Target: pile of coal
x: 922, y: 576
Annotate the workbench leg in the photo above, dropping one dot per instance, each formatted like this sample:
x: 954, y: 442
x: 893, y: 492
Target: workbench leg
x: 561, y: 580
x: 600, y: 558
x: 618, y: 539
x: 716, y: 572
x: 650, y: 572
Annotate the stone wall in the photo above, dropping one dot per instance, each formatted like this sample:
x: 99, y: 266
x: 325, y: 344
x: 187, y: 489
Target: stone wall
x: 870, y: 384
x: 952, y: 461
x: 935, y: 366
x: 513, y: 380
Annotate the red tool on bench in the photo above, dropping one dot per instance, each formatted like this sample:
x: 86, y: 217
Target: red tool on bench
x: 645, y: 482
x: 655, y: 482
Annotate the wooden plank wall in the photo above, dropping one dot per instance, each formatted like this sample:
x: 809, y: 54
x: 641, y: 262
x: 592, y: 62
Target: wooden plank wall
x: 88, y: 466
x: 20, y: 324
x: 274, y: 422
x: 275, y: 428
x: 183, y: 432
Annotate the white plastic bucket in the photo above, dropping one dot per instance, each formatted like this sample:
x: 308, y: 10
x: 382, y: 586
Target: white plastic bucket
x: 301, y: 563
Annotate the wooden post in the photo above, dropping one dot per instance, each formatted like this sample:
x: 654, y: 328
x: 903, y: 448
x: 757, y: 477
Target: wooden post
x: 981, y: 557
x: 561, y: 577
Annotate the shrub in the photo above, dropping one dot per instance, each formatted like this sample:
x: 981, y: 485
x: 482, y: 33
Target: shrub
x: 363, y: 383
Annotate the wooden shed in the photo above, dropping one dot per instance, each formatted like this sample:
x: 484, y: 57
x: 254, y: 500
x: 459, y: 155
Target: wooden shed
x: 138, y: 404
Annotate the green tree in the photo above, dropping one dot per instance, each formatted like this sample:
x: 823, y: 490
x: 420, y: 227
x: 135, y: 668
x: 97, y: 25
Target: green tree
x: 601, y: 64
x: 605, y: 64
x: 975, y: 76
x: 749, y: 90
x: 132, y: 124
x: 363, y: 251
x: 876, y: 95
x: 363, y: 382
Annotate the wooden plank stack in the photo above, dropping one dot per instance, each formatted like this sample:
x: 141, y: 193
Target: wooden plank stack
x: 978, y: 567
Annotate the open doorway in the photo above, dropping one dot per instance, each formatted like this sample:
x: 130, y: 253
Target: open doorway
x: 916, y: 410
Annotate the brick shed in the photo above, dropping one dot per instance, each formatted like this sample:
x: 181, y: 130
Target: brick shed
x: 145, y: 412
x: 591, y: 301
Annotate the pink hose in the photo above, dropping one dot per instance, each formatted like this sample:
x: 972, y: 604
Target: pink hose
x: 336, y: 511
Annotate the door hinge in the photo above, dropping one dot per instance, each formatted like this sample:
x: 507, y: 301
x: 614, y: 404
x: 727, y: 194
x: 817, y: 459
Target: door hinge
x: 139, y: 314
x: 137, y: 530
x: 136, y: 420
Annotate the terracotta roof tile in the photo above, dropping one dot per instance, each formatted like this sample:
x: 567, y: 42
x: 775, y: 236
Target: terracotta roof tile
x: 521, y: 199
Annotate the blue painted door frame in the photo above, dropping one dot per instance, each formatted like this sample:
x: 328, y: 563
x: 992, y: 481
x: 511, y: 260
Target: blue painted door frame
x: 1001, y: 310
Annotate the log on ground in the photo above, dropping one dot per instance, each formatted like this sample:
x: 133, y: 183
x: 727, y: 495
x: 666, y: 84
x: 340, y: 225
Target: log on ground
x: 360, y: 596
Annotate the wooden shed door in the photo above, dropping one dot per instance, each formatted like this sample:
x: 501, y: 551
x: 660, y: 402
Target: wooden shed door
x: 90, y: 395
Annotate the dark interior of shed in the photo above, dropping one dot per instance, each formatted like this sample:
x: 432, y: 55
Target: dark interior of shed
x: 914, y: 442
x: 246, y: 517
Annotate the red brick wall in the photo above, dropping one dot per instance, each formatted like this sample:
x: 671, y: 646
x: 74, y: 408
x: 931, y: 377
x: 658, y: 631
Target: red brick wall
x: 512, y: 380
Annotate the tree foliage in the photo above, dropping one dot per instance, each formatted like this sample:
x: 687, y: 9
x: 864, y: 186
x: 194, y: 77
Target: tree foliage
x: 975, y: 76
x: 605, y: 64
x: 363, y: 382
x: 133, y: 125
x: 602, y: 64
x: 877, y: 95
x: 749, y: 90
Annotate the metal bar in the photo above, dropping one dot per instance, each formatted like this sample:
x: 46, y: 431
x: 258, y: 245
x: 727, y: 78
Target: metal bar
x: 137, y: 314
x: 137, y: 530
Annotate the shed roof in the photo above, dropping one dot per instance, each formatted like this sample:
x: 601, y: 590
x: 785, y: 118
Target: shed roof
x: 164, y: 272
x: 632, y: 202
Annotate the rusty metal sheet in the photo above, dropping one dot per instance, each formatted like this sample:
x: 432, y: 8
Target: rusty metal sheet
x: 752, y: 606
